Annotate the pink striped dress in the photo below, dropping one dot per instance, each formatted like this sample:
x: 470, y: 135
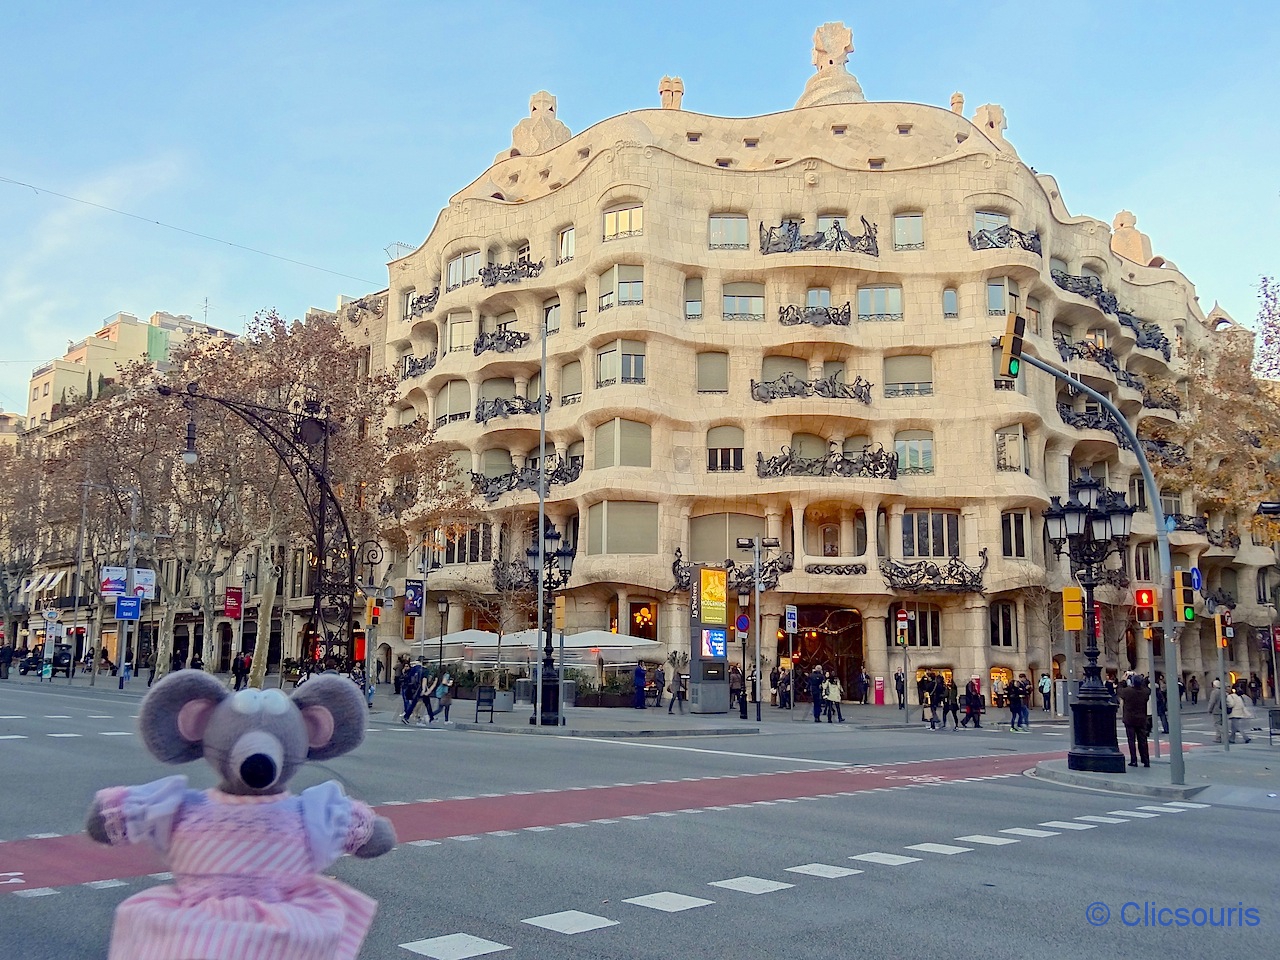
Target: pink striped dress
x: 246, y: 874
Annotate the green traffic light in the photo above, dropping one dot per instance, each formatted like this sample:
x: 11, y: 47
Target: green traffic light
x: 1189, y: 614
x: 1014, y: 363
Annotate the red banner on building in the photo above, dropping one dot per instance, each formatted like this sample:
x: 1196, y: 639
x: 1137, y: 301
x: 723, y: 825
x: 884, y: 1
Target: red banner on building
x: 1276, y: 638
x: 233, y: 605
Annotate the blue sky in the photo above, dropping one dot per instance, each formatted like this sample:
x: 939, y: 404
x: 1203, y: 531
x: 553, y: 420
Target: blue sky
x: 324, y: 131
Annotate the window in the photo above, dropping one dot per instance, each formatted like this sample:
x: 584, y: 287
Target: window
x: 35, y: 393
x: 582, y: 310
x: 724, y: 449
x: 1142, y: 562
x: 693, y: 298
x: 1002, y: 293
x: 989, y: 220
x: 817, y: 298
x: 833, y: 368
x: 1170, y: 502
x: 551, y: 316
x: 950, y: 304
x: 496, y: 463
x: 565, y: 246
x: 46, y: 390
x: 522, y: 253
x: 1097, y: 336
x: 743, y: 301
x: 463, y: 269
x: 909, y: 376
x: 453, y: 402
x: 772, y: 368
x: 576, y: 454
x: 714, y: 538
x: 1264, y: 587
x: 1004, y: 624
x: 908, y: 231
x: 854, y: 446
x: 497, y: 387
x: 631, y: 355
x: 728, y: 231
x: 713, y: 372
x: 930, y: 533
x: 924, y: 625
x: 829, y: 535
x: 1057, y: 266
x: 632, y: 361
x: 1013, y: 450
x: 829, y: 220
x: 1013, y: 534
x: 875, y: 163
x: 1032, y: 312
x: 622, y: 285
x: 879, y: 303
x: 622, y: 526
x: 460, y: 332
x: 808, y: 446
x: 915, y: 452
x: 1138, y: 493
x: 471, y: 544
x: 607, y: 365
x: 623, y: 443
x: 406, y: 304
x: 624, y: 222
x: 571, y: 383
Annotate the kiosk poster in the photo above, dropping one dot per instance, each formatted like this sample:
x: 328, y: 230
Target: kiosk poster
x: 715, y: 643
x: 712, y: 594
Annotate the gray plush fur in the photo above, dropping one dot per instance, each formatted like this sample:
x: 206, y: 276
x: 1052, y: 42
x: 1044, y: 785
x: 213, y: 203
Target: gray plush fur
x: 255, y: 739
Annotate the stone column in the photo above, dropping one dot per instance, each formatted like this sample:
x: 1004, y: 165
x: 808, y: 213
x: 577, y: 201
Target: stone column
x: 894, y: 546
x: 797, y: 530
x: 773, y: 523
x: 876, y: 650
x: 624, y: 613
x: 871, y: 511
x: 846, y: 532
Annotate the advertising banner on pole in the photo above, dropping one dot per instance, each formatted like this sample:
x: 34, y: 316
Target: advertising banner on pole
x: 413, y: 591
x: 233, y: 603
x: 114, y: 581
x: 146, y: 579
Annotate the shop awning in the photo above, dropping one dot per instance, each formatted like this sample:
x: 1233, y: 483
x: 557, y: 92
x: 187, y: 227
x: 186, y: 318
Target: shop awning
x: 54, y: 580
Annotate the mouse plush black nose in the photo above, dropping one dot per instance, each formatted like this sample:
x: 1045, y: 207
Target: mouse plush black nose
x: 258, y: 771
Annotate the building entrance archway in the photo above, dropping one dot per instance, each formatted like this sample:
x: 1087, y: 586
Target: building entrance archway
x: 829, y: 637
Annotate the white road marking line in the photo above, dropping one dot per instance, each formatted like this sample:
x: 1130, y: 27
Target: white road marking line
x: 720, y: 753
x: 13, y: 718
x: 42, y: 836
x: 94, y: 716
x: 824, y: 870
x: 115, y: 733
x: 1028, y: 832
x: 501, y: 833
x: 538, y: 829
x: 1154, y: 809
x: 669, y: 902
x: 885, y: 859
x: 424, y: 843
x: 62, y: 734
x: 1133, y: 813
x: 635, y: 816
x: 490, y: 794
x: 166, y: 875
x: 462, y: 798
x: 35, y: 892
x: 989, y: 841
x: 570, y: 922
x: 691, y: 810
x: 944, y: 848
x: 104, y: 884
x: 393, y: 803
x: 56, y: 716
x: 1090, y: 818
x: 464, y: 838
x: 604, y: 820
x: 752, y: 885
x: 1187, y: 805
x: 13, y: 736
x: 455, y: 946
x: 573, y: 824
x: 1068, y: 825
x: 664, y: 813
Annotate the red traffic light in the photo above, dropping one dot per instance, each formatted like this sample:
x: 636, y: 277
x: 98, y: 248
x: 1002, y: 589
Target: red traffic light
x: 1144, y: 602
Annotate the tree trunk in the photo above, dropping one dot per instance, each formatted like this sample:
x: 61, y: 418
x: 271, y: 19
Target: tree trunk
x: 262, y: 649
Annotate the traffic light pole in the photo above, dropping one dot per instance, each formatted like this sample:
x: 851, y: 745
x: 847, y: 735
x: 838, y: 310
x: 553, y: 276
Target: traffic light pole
x: 1177, y: 769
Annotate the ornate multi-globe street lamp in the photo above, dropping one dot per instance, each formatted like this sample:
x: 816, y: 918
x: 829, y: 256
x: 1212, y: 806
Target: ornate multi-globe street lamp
x: 551, y: 566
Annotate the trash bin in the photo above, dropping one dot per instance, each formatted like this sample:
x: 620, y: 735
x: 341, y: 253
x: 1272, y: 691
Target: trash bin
x: 524, y: 690
x: 569, y: 693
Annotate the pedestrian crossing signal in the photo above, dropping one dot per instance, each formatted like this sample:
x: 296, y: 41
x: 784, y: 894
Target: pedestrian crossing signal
x: 1072, y: 608
x: 1184, y: 597
x: 1011, y: 347
x: 1144, y: 603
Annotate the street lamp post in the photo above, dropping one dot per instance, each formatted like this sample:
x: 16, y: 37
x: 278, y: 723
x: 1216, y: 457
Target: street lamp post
x: 757, y: 546
x: 442, y: 605
x: 1094, y: 523
x: 744, y: 599
x: 551, y: 564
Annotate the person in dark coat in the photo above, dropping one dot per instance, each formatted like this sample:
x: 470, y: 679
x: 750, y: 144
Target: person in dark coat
x: 1134, y: 697
x: 6, y: 659
x: 900, y: 688
x: 972, y: 704
x: 1162, y: 706
x: 639, y: 677
x: 239, y: 670
x: 815, y: 693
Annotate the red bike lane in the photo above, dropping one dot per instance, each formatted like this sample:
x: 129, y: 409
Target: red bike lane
x: 75, y: 859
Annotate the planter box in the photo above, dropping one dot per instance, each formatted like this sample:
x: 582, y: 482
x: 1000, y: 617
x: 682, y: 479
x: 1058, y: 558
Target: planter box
x: 604, y: 700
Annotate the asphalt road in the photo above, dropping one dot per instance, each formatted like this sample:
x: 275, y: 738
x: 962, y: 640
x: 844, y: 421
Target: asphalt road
x: 815, y: 841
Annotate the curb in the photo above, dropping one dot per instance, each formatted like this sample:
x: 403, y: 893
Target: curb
x: 1112, y: 784
x: 602, y: 734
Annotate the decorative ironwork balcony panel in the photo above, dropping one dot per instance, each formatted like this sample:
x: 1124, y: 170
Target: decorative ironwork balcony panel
x: 926, y: 576
x: 514, y: 272
x: 740, y: 576
x: 1221, y: 597
x: 1130, y: 380
x: 1170, y: 454
x: 500, y: 341
x: 787, y: 238
x: 836, y: 569
x: 1090, y: 288
x: 1189, y: 522
x: 487, y: 410
x: 526, y: 478
x: 417, y: 366
x: 1162, y: 399
x: 829, y: 388
x: 512, y: 575
x: 794, y: 314
x: 1093, y: 420
x: 1005, y: 237
x: 570, y: 398
x: 908, y: 389
x: 424, y: 303
x: 1227, y: 539
x: 874, y: 462
x: 1114, y: 578
x: 755, y: 317
x: 1148, y: 335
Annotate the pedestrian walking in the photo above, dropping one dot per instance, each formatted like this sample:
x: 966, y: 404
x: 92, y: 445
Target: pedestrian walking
x: 951, y: 704
x: 1194, y: 687
x: 1025, y: 694
x: 1255, y: 688
x: 735, y: 686
x: 151, y: 669
x: 784, y: 690
x: 1045, y: 686
x: 815, y: 693
x: 1237, y: 714
x: 6, y: 659
x: 431, y: 689
x: 1162, y: 706
x: 639, y: 678
x: 973, y: 704
x: 677, y: 690
x: 900, y: 688
x: 1182, y: 689
x: 832, y: 694
x: 1134, y: 697
x: 774, y: 674
x: 197, y: 661
x: 1215, y: 707
x: 239, y: 670
x: 410, y: 690
x: 659, y: 686
x: 1015, y: 708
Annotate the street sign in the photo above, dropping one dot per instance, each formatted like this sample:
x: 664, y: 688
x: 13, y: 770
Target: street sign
x: 51, y: 615
x: 793, y: 619
x: 902, y: 620
x: 128, y: 608
x: 743, y: 623
x: 1197, y: 581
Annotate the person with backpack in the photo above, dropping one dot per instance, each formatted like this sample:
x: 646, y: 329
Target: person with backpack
x: 1045, y: 685
x: 410, y: 690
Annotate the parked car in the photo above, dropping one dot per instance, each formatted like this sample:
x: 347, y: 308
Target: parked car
x: 63, y: 662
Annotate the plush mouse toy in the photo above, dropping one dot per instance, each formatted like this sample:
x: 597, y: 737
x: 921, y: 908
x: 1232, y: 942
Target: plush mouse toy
x: 247, y: 855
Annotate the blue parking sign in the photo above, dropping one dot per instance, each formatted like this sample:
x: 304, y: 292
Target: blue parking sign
x: 128, y: 608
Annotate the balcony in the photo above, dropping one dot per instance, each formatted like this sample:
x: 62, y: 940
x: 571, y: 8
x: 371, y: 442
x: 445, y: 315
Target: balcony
x: 793, y: 315
x: 1189, y: 523
x: 500, y: 341
x: 926, y: 576
x: 487, y: 410
x: 1148, y: 335
x: 451, y: 418
x: 829, y: 388
x: 1226, y: 539
x: 416, y: 367
x: 771, y: 572
x: 1162, y: 399
x: 908, y: 389
x: 874, y: 462
x: 514, y: 272
x: 1093, y: 420
x: 1005, y: 237
x: 787, y: 238
x: 424, y: 303
x: 1088, y: 287
x: 1169, y: 454
x: 1087, y: 350
x: 526, y: 478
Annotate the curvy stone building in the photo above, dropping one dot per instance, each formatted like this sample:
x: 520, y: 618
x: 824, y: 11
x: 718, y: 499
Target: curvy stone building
x: 782, y: 326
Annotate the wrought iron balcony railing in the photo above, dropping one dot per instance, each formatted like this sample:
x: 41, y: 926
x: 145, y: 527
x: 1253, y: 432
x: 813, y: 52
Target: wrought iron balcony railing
x: 787, y: 238
x: 908, y: 389
x: 417, y: 366
x: 487, y: 410
x: 1170, y: 454
x: 424, y: 303
x: 1221, y: 597
x: 1148, y: 335
x: 1227, y: 539
x: 1189, y: 522
x: 500, y: 341
x: 739, y: 577
x: 513, y: 272
x: 1090, y: 288
x: 836, y: 569
x: 927, y: 576
x: 1162, y: 399
x: 1093, y: 420
x: 829, y: 388
x: 794, y: 314
x: 565, y: 470
x: 1005, y: 237
x: 874, y: 462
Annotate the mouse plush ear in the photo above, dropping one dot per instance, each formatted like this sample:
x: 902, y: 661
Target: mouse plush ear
x: 175, y: 713
x: 333, y: 709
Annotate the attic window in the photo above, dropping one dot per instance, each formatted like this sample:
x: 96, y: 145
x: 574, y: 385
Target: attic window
x: 693, y: 137
x: 584, y: 152
x: 514, y: 178
x: 961, y: 137
x: 543, y: 174
x: 556, y: 186
x: 904, y: 129
x: 838, y: 130
x: 723, y: 162
x: 876, y: 163
x: 751, y: 142
x: 782, y: 160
